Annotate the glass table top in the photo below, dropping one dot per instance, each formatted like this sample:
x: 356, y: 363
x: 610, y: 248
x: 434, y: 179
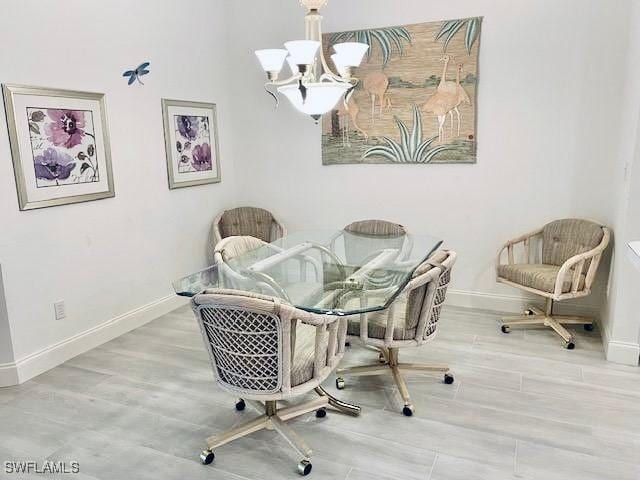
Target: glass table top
x: 329, y: 272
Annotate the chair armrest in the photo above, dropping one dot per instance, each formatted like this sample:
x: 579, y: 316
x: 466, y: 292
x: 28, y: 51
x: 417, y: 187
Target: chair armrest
x: 215, y: 236
x: 330, y: 337
x: 332, y: 240
x: 577, y: 262
x: 526, y: 239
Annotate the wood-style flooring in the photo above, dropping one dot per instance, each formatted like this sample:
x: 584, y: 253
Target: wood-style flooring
x: 522, y: 407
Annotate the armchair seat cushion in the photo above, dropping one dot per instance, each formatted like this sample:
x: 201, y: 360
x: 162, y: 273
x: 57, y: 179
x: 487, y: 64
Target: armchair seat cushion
x: 537, y: 276
x: 377, y: 323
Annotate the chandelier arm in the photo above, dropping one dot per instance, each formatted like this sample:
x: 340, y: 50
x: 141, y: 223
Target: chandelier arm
x: 331, y: 78
x: 275, y: 97
x: 325, y: 65
x: 291, y: 79
x: 351, y: 91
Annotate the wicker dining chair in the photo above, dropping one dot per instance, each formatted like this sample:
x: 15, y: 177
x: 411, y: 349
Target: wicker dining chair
x: 410, y: 321
x: 265, y: 351
x: 359, y: 239
x: 243, y: 221
x: 558, y: 262
x: 363, y: 231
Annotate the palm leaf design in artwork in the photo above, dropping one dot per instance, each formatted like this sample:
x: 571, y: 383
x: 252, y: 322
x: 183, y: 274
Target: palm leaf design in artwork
x: 450, y: 28
x: 411, y: 148
x: 390, y: 40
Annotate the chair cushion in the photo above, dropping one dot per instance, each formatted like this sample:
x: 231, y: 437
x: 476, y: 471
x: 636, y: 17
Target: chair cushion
x: 232, y: 247
x: 242, y: 221
x: 377, y: 322
x: 303, y: 354
x: 537, y: 276
x: 563, y: 239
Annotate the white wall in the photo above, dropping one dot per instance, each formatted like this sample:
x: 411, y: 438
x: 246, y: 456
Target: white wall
x: 110, y: 257
x: 550, y: 93
x: 621, y: 320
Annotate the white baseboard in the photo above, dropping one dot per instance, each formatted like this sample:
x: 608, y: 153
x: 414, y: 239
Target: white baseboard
x: 512, y: 303
x: 8, y: 374
x: 52, y: 356
x: 625, y: 353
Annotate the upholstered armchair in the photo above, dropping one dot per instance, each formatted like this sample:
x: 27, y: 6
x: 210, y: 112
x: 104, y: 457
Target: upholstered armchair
x: 410, y: 321
x: 557, y: 262
x: 252, y: 221
x: 265, y: 351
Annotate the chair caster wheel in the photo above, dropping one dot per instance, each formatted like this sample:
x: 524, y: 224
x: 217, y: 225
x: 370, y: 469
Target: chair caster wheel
x: 448, y: 378
x: 321, y: 413
x: 588, y: 327
x: 528, y: 311
x: 240, y: 405
x: 505, y: 329
x: 381, y: 358
x: 407, y: 410
x: 340, y: 383
x: 569, y: 345
x: 207, y: 457
x: 346, y: 344
x: 304, y: 467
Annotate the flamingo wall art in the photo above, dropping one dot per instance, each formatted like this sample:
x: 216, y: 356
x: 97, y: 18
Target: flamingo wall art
x: 415, y: 100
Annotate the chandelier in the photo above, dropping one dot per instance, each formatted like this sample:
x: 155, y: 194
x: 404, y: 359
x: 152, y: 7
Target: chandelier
x: 313, y: 88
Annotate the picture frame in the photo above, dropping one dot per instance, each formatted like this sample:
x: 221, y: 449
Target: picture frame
x: 59, y: 145
x: 191, y: 143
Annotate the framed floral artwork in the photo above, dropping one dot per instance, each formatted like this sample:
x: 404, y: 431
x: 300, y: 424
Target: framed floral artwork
x: 59, y: 144
x: 191, y: 138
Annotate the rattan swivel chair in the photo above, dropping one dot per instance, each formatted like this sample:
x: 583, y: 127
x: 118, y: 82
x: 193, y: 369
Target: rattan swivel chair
x: 265, y: 351
x: 410, y: 321
x: 557, y: 262
x: 243, y: 221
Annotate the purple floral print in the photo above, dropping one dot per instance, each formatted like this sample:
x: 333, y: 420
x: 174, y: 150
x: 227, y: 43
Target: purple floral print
x: 201, y: 157
x: 66, y: 129
x: 188, y: 126
x: 53, y: 165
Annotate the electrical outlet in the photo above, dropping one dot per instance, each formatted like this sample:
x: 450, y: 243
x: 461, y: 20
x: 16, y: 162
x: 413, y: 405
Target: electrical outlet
x: 60, y: 310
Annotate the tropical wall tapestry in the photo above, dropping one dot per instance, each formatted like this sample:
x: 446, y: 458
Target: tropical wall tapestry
x: 416, y: 97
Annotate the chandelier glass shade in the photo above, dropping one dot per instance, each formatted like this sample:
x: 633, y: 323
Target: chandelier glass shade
x: 321, y: 96
x: 313, y: 88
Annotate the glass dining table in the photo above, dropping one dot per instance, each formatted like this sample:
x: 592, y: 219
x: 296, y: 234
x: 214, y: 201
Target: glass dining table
x: 326, y: 272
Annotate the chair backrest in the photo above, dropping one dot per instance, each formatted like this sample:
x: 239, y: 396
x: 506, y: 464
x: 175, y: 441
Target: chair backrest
x: 365, y: 230
x: 563, y: 239
x: 244, y: 337
x: 251, y: 341
x: 252, y: 221
x: 426, y: 293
